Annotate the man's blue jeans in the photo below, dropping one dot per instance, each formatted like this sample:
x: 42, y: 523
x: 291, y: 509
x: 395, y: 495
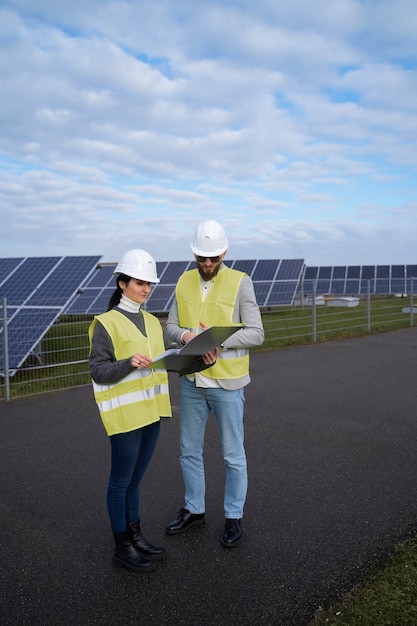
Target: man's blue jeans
x: 227, y: 406
x: 130, y: 456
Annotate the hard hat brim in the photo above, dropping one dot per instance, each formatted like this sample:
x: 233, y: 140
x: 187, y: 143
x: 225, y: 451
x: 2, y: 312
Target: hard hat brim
x: 209, y: 253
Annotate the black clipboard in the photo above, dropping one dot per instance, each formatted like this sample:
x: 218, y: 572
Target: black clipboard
x: 186, y: 359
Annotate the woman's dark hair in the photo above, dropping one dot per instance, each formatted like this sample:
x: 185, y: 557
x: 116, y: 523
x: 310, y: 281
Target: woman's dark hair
x: 117, y: 293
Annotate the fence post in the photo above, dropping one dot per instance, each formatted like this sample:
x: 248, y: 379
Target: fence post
x: 6, y: 353
x: 368, y: 304
x: 411, y: 300
x: 314, y: 312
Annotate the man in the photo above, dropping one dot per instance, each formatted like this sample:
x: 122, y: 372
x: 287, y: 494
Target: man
x: 214, y: 295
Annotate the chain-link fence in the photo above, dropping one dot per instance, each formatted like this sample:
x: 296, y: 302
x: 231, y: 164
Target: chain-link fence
x: 60, y: 358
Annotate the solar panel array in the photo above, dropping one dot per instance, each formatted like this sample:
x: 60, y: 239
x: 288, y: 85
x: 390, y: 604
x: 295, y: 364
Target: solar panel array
x: 40, y: 289
x: 37, y: 291
x: 353, y: 280
x: 275, y: 282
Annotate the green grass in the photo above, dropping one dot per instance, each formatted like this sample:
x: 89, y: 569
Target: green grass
x: 65, y: 346
x: 387, y: 598
x: 288, y: 327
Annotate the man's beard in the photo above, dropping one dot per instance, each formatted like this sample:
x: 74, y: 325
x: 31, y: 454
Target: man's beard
x: 208, y: 275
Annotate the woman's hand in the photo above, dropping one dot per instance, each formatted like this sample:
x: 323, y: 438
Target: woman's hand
x: 140, y: 361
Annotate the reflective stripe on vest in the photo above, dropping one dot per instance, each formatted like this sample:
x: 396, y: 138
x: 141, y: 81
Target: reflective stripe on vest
x: 217, y: 309
x: 142, y: 397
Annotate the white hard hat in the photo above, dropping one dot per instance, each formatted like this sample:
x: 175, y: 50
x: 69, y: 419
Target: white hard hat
x: 138, y: 264
x: 209, y: 239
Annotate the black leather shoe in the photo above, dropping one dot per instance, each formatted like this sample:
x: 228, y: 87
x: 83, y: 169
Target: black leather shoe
x: 232, y: 533
x: 184, y: 521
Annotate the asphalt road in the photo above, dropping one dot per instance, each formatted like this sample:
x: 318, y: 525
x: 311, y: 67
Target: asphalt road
x: 331, y: 437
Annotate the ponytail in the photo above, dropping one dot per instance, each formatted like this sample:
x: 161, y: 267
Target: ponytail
x: 117, y: 293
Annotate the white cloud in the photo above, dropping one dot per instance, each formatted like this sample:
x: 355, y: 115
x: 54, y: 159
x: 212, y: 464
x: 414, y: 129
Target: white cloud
x: 292, y: 123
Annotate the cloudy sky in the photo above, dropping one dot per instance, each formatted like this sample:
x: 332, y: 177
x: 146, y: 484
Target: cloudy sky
x: 125, y: 123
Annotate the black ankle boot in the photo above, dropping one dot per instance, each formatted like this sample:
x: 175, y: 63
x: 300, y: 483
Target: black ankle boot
x: 144, y: 547
x: 126, y: 555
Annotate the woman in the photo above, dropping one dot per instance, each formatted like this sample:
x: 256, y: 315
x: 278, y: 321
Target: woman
x: 131, y: 398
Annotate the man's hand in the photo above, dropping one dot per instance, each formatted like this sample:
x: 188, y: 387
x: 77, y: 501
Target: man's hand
x: 188, y: 336
x: 210, y: 358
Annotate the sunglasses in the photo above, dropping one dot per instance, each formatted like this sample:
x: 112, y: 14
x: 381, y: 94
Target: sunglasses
x: 203, y: 259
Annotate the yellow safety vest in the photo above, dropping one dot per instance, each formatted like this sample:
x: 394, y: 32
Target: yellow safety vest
x: 216, y: 310
x: 142, y: 397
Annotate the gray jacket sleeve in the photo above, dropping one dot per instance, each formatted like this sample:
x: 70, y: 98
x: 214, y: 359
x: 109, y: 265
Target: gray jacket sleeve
x: 247, y: 313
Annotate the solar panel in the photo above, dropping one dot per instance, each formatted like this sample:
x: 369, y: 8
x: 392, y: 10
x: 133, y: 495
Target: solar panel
x: 398, y: 271
x: 325, y: 273
x: 320, y: 276
x: 101, y: 303
x: 25, y: 330
x: 290, y: 269
x: 244, y: 266
x: 7, y: 267
x: 36, y: 291
x: 382, y: 271
x: 339, y: 272
x: 91, y: 301
x: 265, y: 270
x: 337, y: 287
x: 160, y: 268
x: 368, y: 271
x: 20, y: 285
x: 282, y: 293
x: 352, y: 287
x: 62, y: 281
x: 95, y: 292
x: 354, y: 271
x: 261, y: 292
x: 323, y: 286
x: 379, y: 279
x: 311, y: 273
x: 174, y: 271
x: 398, y: 285
x: 102, y: 276
x: 161, y: 298
x: 382, y: 285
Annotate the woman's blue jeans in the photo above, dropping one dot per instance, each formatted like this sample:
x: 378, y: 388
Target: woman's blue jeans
x: 130, y: 456
x: 227, y: 406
